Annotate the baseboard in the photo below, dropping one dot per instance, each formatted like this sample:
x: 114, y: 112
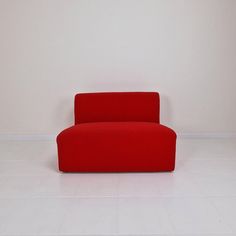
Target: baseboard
x: 27, y: 137
x: 52, y: 137
x: 212, y: 135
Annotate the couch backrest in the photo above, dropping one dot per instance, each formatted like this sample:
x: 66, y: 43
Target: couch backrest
x: 117, y: 106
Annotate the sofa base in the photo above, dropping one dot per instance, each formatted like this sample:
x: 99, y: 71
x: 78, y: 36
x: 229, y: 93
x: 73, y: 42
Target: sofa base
x: 117, y: 147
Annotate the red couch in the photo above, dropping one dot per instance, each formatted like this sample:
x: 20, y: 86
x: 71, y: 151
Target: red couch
x: 116, y: 132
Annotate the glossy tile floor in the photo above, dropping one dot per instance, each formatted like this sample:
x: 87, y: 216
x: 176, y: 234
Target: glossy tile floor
x: 199, y: 198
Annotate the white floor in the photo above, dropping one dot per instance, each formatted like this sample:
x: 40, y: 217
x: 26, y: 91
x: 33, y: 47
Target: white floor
x: 199, y: 198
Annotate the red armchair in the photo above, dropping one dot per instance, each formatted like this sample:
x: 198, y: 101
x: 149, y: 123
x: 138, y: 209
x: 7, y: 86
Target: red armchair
x: 116, y: 132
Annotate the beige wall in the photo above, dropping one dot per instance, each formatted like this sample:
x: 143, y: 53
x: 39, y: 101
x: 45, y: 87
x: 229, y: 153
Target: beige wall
x: 51, y: 49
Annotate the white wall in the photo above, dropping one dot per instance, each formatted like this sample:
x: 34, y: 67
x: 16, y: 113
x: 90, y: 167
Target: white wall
x: 52, y: 49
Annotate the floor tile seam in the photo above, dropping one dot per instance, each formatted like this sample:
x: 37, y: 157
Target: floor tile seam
x: 114, y: 197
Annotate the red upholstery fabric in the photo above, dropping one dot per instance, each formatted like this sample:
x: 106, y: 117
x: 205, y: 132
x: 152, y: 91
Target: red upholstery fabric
x: 117, y: 106
x: 116, y: 132
x: 117, y: 146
